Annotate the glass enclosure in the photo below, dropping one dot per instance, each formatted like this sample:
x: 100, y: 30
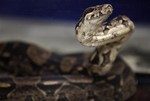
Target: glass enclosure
x: 51, y: 24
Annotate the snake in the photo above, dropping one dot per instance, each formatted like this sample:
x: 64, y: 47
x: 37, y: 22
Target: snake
x: 29, y: 72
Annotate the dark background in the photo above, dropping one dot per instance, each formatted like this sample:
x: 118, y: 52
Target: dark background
x: 137, y: 10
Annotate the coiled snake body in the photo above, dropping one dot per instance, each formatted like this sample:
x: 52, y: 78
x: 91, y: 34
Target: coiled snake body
x: 31, y: 73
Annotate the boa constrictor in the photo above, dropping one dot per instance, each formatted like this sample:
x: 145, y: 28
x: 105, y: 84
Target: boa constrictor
x: 31, y: 73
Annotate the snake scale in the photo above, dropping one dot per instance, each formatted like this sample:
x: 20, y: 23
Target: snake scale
x: 31, y: 73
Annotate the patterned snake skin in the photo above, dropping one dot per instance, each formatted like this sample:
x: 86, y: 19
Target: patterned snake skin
x: 31, y: 73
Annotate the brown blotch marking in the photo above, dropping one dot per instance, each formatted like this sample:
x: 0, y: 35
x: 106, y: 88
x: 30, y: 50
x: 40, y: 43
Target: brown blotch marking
x: 96, y: 40
x: 112, y: 37
x: 111, y: 77
x: 79, y: 79
x: 86, y: 59
x: 38, y: 55
x: 67, y: 64
x: 6, y: 54
x: 4, y: 85
x: 119, y: 89
x: 83, y: 33
x: 88, y: 10
x: 106, y: 30
x: 125, y: 23
x: 79, y: 68
x: 121, y: 82
x: 102, y: 81
x: 52, y: 69
x: 106, y: 59
x: 26, y: 80
x: 95, y: 68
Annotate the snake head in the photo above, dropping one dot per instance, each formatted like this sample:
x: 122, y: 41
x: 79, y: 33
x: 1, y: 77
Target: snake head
x: 97, y: 14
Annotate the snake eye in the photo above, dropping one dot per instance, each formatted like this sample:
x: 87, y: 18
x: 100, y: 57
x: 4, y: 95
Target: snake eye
x: 88, y: 10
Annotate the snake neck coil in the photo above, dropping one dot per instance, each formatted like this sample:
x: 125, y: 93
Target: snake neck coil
x: 107, y: 37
